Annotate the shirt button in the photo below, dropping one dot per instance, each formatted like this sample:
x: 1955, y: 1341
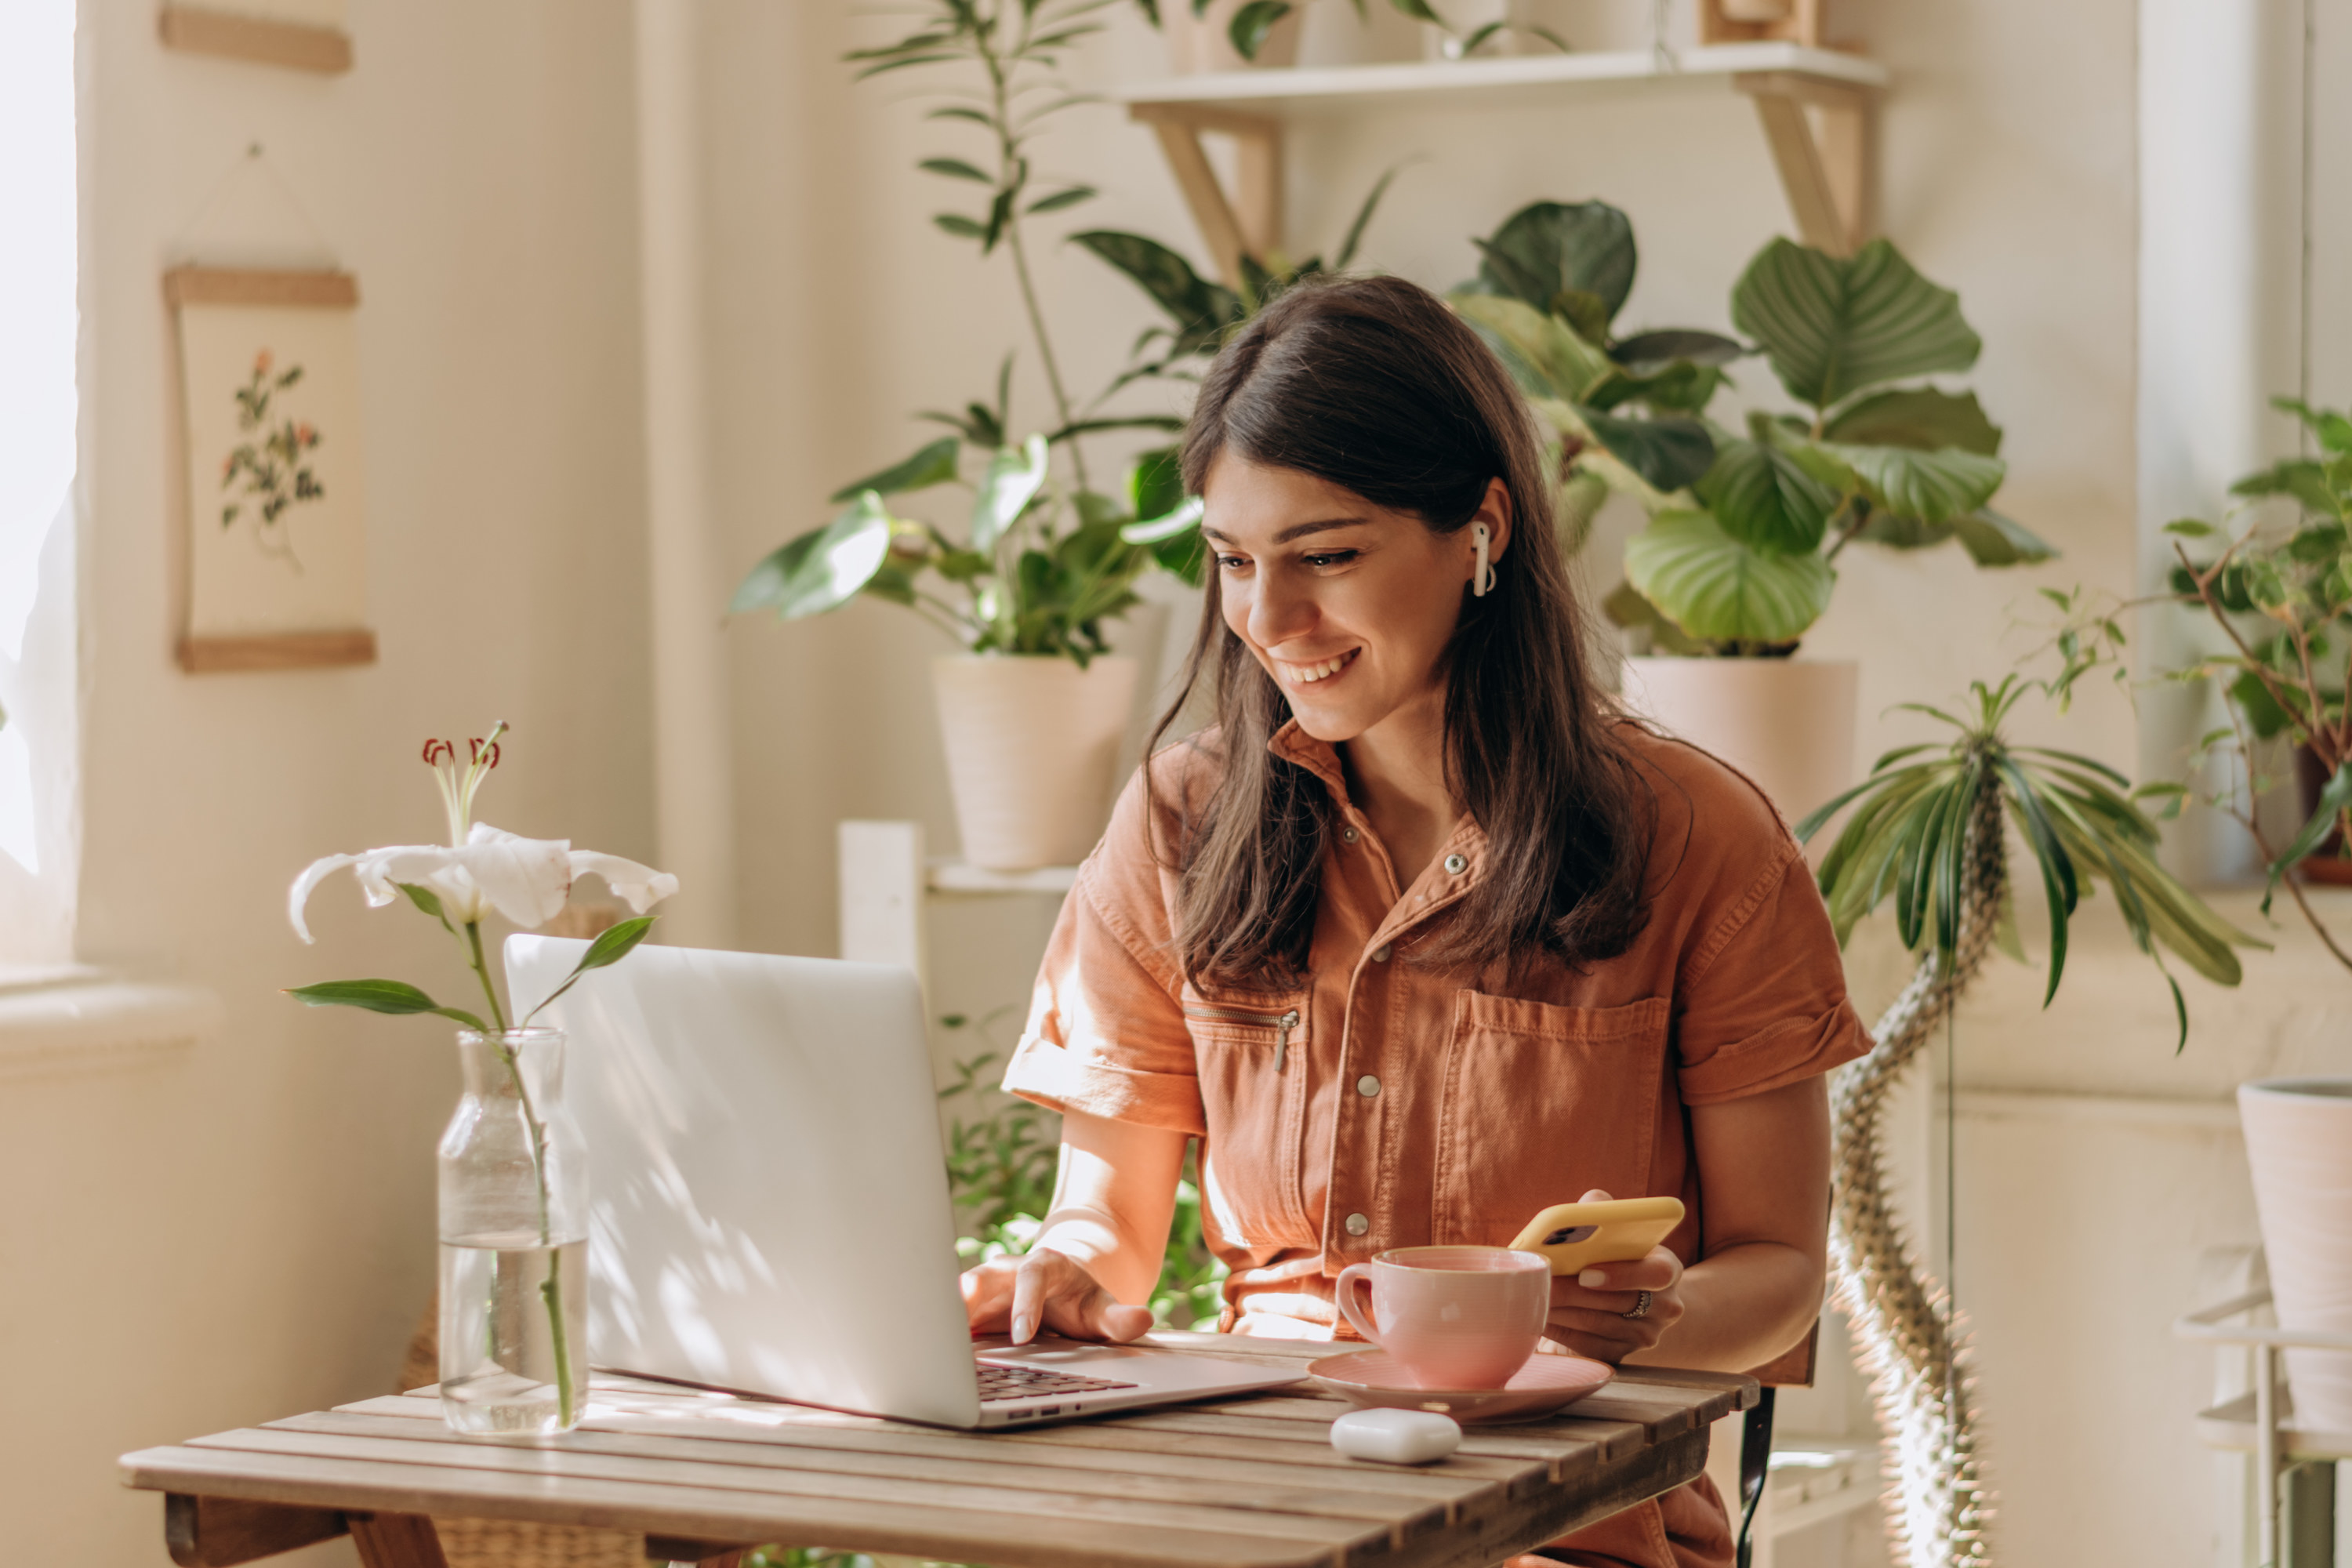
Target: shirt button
x: 1368, y: 1086
x: 1358, y: 1225
x: 1348, y: 833
x: 1379, y: 954
x: 1455, y: 865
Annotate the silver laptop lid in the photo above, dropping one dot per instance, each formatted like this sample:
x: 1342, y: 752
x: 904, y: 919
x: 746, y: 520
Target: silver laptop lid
x: 768, y: 1202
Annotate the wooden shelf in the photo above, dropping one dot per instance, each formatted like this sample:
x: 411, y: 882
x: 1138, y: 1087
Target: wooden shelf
x: 1818, y: 108
x: 1519, y: 77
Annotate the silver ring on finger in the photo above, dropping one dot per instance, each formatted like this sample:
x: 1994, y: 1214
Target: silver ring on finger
x: 1641, y: 1305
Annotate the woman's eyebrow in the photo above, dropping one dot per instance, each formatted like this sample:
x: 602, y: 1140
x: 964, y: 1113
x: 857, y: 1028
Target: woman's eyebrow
x: 1295, y: 531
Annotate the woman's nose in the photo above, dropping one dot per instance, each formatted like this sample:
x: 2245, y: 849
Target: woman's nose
x: 1278, y: 611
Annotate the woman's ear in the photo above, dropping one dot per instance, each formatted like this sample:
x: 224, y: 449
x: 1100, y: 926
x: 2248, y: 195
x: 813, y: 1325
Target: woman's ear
x: 1494, y: 512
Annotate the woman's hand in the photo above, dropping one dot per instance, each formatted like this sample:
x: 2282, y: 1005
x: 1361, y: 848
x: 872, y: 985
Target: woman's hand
x: 1042, y: 1287
x: 1587, y: 1312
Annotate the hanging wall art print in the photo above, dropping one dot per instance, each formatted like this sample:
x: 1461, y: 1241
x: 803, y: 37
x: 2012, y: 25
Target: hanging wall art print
x: 274, y: 538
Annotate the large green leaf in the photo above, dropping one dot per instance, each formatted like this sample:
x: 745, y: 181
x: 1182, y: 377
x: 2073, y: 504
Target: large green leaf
x: 1252, y: 23
x: 822, y: 569
x: 1014, y: 476
x: 393, y: 997
x: 1993, y: 540
x: 1542, y: 353
x: 1650, y: 352
x: 1930, y: 486
x: 1720, y: 589
x: 1917, y: 416
x: 2333, y: 429
x: 1667, y: 453
x: 934, y: 465
x: 1155, y: 485
x: 1832, y: 326
x: 1763, y: 497
x: 1551, y: 252
x: 1201, y: 310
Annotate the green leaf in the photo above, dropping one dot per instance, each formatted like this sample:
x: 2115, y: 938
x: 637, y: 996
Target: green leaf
x: 1355, y: 234
x: 1626, y: 607
x: 934, y: 465
x: 820, y: 570
x: 1762, y: 497
x: 1667, y: 453
x: 393, y: 997
x: 2190, y: 528
x: 1904, y: 532
x: 613, y: 944
x: 1155, y: 485
x: 424, y: 899
x: 1917, y: 416
x: 1419, y: 11
x: 1720, y: 589
x: 2301, y: 478
x: 1543, y: 355
x: 2333, y: 429
x: 1832, y: 326
x: 1151, y: 530
x: 1993, y: 540
x: 1014, y: 476
x: 2333, y: 801
x: 1648, y: 353
x: 1064, y: 199
x: 1252, y: 23
x: 1551, y: 250
x: 1932, y: 487
x: 1201, y: 310
x: 959, y: 226
x: 955, y: 169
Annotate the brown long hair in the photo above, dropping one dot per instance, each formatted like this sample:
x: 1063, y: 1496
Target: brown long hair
x: 1373, y: 384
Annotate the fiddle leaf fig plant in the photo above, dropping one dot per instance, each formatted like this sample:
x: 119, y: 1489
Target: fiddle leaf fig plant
x: 1743, y: 561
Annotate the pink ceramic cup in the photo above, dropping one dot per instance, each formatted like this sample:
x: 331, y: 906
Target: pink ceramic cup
x: 1454, y: 1317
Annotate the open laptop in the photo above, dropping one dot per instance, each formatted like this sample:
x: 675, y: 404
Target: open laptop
x: 768, y: 1197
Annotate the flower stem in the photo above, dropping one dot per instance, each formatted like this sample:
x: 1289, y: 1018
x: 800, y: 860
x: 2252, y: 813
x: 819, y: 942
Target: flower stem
x: 552, y: 1291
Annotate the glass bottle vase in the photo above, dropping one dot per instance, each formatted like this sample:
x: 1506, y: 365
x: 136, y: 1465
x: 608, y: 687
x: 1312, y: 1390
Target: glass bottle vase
x: 514, y: 1242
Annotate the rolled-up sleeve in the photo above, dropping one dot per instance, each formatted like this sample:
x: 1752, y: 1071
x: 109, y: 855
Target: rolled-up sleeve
x: 1105, y: 1035
x: 1765, y: 1003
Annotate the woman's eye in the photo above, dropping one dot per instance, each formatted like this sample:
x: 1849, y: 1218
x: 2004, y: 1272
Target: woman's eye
x: 1329, y: 558
x: 1232, y: 563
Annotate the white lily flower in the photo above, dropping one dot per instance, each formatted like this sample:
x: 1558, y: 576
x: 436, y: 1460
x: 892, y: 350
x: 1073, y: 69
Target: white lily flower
x: 525, y: 880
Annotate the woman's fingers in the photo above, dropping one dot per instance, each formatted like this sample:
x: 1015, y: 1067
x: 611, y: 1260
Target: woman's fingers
x: 1046, y: 1290
x: 1659, y: 1270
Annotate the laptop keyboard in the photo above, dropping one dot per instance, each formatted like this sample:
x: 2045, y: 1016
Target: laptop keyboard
x: 998, y: 1381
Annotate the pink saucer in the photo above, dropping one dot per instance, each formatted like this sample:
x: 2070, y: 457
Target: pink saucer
x: 1547, y: 1384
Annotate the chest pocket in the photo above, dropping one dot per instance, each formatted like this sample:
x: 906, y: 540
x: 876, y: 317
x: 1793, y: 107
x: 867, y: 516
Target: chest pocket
x: 1538, y: 1105
x: 1250, y: 1049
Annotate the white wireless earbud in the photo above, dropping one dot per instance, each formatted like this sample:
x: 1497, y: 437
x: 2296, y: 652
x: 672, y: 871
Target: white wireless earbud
x: 1482, y: 575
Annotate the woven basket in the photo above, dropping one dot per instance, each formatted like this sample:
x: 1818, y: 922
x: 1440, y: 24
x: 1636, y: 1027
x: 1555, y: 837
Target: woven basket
x: 505, y: 1542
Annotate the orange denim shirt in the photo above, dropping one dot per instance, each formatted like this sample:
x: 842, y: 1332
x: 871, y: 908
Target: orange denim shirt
x: 1383, y: 1104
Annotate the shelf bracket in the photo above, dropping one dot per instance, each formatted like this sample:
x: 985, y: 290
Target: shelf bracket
x: 1249, y: 222
x: 1824, y: 139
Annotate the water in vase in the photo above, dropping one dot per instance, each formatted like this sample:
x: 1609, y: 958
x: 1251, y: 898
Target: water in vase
x: 514, y: 1331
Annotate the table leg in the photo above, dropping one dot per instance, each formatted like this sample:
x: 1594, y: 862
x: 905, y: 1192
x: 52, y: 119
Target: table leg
x: 218, y: 1533
x: 396, y: 1540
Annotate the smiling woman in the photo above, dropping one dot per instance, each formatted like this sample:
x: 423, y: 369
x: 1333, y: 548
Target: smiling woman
x: 1421, y: 937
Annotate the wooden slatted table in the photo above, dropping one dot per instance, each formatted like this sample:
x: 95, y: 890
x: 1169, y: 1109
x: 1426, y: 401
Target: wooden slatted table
x: 1242, y: 1483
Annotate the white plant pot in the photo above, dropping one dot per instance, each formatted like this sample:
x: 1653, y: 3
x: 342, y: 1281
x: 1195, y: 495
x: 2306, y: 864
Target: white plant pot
x: 1032, y: 743
x: 1787, y: 723
x: 2299, y: 1144
x: 1197, y: 45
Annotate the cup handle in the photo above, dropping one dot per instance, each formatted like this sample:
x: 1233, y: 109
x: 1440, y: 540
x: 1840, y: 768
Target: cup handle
x: 1351, y: 1277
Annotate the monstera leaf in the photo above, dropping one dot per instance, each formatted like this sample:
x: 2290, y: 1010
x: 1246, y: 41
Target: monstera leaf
x: 824, y: 569
x: 1718, y: 589
x: 1575, y: 261
x: 1832, y: 326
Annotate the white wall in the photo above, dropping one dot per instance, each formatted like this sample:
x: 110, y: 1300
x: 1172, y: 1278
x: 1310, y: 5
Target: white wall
x: 245, y: 1229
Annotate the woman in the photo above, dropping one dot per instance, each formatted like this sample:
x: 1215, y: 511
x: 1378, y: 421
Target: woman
x: 1421, y: 938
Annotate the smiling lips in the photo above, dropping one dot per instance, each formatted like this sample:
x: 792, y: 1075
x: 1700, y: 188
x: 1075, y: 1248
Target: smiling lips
x: 1309, y: 674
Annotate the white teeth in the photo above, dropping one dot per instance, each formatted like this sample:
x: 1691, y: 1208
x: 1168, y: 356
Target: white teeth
x: 1307, y: 675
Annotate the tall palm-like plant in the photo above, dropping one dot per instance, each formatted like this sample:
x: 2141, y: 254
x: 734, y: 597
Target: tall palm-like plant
x: 1930, y: 828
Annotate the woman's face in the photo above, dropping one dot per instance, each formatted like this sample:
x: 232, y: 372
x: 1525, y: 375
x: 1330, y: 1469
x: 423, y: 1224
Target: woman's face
x: 1348, y: 605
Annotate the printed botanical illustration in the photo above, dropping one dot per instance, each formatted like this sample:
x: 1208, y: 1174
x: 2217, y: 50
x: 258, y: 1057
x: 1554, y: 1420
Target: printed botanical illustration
x: 269, y: 471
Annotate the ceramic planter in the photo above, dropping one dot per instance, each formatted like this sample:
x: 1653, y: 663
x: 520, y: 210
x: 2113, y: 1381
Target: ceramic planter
x: 1032, y: 741
x: 1201, y: 44
x: 1787, y: 723
x: 2299, y: 1144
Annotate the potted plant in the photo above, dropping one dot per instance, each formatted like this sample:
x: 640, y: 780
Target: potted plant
x: 1032, y: 711
x: 2280, y: 593
x: 1737, y: 560
x: 1932, y: 827
x: 1234, y: 34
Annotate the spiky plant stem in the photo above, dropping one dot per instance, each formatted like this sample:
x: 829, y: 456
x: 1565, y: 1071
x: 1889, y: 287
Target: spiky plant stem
x: 1939, y: 1512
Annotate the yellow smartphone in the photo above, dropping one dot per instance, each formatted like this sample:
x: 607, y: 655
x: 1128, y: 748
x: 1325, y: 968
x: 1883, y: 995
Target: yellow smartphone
x: 1575, y: 1237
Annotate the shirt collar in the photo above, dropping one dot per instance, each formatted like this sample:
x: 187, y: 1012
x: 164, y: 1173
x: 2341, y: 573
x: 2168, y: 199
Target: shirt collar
x: 1293, y: 744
